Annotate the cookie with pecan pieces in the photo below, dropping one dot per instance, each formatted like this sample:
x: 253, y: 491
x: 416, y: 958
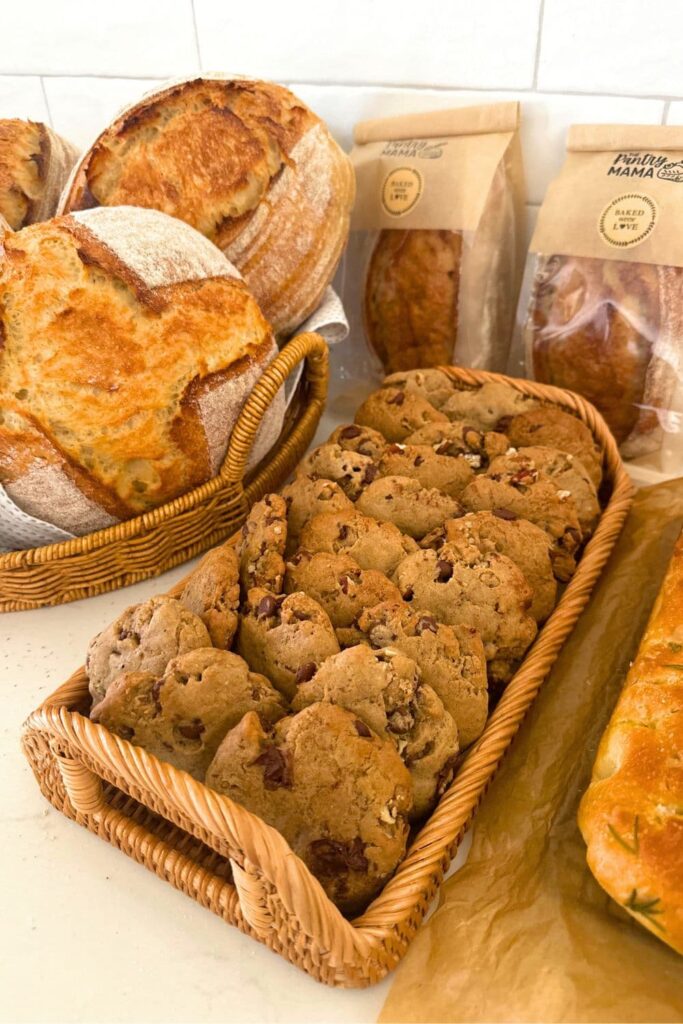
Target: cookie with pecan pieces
x: 550, y: 427
x: 385, y: 690
x: 213, y: 593
x: 351, y: 470
x: 450, y: 658
x: 262, y: 544
x: 450, y: 474
x: 484, y: 407
x: 488, y: 593
x: 435, y: 386
x: 527, y: 545
x: 341, y: 587
x: 371, y: 544
x: 363, y: 440
x: 307, y: 498
x: 338, y: 794
x: 396, y: 413
x: 182, y: 715
x: 458, y: 438
x: 402, y: 500
x: 285, y: 638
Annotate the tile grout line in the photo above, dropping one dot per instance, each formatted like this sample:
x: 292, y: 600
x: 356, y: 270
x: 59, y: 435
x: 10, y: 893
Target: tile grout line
x: 47, y: 102
x: 196, y: 37
x: 539, y: 35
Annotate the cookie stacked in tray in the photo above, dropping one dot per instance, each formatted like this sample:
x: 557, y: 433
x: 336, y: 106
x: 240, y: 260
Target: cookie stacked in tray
x: 327, y: 671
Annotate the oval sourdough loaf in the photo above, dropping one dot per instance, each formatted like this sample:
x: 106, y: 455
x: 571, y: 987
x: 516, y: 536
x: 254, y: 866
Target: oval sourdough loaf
x: 128, y: 345
x: 631, y: 815
x: 247, y: 164
x: 34, y: 165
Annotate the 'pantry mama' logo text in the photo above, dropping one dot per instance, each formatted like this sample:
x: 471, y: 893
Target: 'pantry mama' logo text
x: 646, y: 165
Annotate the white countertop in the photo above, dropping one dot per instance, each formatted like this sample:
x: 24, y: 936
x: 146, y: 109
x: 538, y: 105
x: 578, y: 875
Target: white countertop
x: 89, y: 935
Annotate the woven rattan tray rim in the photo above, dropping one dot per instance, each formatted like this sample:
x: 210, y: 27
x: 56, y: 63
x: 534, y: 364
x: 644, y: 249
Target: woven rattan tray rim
x: 279, y: 901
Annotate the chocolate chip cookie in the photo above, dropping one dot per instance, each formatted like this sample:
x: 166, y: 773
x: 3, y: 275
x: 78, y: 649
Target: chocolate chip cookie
x: 182, y: 715
x: 550, y: 427
x: 363, y: 440
x: 566, y: 471
x: 341, y: 587
x: 384, y: 689
x: 484, y: 407
x: 338, y: 794
x: 396, y: 413
x: 401, y: 500
x: 306, y: 498
x: 285, y: 638
x: 488, y: 593
x: 435, y: 386
x: 458, y: 438
x: 450, y: 658
x: 213, y: 593
x: 262, y: 544
x: 450, y: 474
x: 350, y: 470
x: 144, y: 638
x: 371, y: 544
x: 537, y: 499
x: 527, y: 545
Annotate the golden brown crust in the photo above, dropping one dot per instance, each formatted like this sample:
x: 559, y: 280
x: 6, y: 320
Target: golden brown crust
x: 593, y: 326
x: 244, y: 162
x: 631, y: 816
x: 104, y: 375
x: 34, y: 164
x: 411, y: 298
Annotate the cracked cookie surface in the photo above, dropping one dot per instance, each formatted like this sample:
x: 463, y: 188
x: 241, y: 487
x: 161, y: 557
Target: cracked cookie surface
x: 402, y: 500
x: 370, y: 543
x: 549, y: 427
x: 484, y: 407
x: 431, y: 384
x: 396, y: 413
x: 450, y: 474
x: 213, y: 593
x: 354, y: 438
x: 458, y: 438
x: 262, y: 544
x: 351, y: 470
x: 306, y: 498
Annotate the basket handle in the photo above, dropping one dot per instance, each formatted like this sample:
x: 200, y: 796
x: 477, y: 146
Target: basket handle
x: 82, y: 786
x: 309, y: 346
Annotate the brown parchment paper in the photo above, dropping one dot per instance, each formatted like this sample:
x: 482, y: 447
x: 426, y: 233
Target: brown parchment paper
x: 523, y: 932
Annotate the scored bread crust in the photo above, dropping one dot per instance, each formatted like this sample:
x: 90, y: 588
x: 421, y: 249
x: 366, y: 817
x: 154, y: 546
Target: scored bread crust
x: 410, y: 307
x: 631, y: 815
x: 129, y: 345
x: 610, y: 330
x: 34, y: 165
x: 247, y: 164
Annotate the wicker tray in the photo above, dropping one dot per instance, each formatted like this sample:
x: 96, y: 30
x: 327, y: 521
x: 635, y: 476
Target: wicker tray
x: 177, y: 531
x: 240, y: 868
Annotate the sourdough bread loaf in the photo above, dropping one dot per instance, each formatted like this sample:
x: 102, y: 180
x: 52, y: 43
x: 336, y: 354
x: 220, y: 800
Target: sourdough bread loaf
x: 246, y: 163
x: 129, y: 345
x: 34, y: 165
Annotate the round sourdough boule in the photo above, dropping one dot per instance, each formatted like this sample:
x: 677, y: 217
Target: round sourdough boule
x: 385, y: 689
x: 144, y: 638
x: 411, y: 298
x: 246, y: 163
x: 182, y: 715
x: 285, y: 637
x: 34, y: 165
x: 337, y: 793
x: 130, y: 345
x: 213, y: 593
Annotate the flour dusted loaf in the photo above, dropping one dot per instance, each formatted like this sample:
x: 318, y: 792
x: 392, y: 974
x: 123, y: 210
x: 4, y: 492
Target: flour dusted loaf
x: 631, y: 816
x: 246, y: 163
x: 130, y: 345
x: 34, y: 165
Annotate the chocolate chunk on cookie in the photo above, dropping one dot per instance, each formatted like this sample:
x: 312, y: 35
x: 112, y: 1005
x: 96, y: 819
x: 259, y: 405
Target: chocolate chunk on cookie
x: 144, y: 638
x: 549, y: 427
x: 384, y: 689
x: 450, y: 658
x: 488, y: 593
x: 371, y: 544
x: 213, y: 593
x: 401, y: 500
x: 306, y: 498
x: 448, y: 473
x: 477, y: 447
x: 285, y: 638
x: 182, y: 715
x: 363, y: 440
x: 527, y: 545
x: 484, y: 407
x: 350, y: 470
x: 338, y: 796
x: 396, y: 413
x: 262, y: 544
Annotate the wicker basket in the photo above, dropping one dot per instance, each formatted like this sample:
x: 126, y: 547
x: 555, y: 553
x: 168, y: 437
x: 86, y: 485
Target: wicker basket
x: 232, y: 862
x: 177, y: 531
